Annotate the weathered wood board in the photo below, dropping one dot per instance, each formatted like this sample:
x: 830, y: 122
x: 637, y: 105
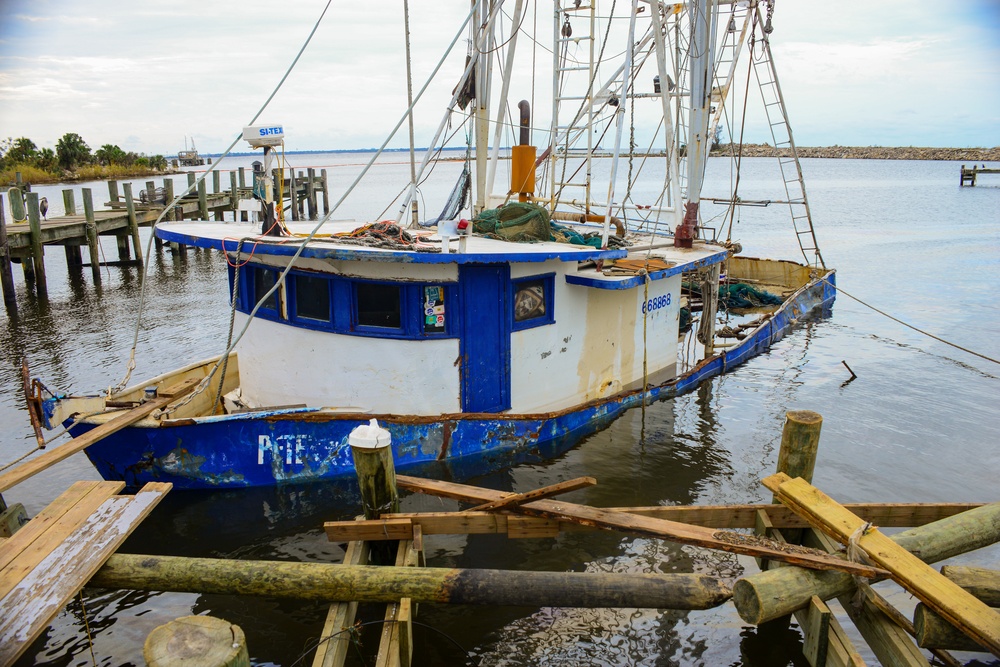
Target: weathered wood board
x: 49, y: 564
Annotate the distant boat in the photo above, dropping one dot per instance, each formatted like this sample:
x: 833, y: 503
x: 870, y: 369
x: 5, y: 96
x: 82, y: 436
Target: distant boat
x: 556, y: 304
x: 189, y: 157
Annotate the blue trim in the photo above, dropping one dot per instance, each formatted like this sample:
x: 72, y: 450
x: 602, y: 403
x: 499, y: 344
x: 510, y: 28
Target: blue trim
x: 484, y: 344
x: 548, y: 288
x: 267, y: 246
x: 637, y: 281
x: 300, y: 445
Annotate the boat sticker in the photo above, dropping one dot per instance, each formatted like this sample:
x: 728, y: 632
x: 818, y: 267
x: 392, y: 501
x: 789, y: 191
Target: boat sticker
x: 434, y: 310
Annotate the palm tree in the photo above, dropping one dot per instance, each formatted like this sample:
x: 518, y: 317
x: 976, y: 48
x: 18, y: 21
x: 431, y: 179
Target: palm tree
x: 72, y: 151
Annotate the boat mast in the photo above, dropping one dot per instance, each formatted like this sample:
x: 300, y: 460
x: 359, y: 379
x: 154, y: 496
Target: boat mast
x: 415, y: 219
x: 482, y: 101
x: 700, y: 53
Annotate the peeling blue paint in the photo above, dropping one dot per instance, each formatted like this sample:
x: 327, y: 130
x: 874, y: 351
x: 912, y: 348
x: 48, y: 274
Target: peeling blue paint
x: 300, y: 445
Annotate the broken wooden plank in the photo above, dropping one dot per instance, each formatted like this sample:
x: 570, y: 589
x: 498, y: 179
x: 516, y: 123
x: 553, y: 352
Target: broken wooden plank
x: 660, y: 528
x: 777, y: 592
x: 512, y: 499
x: 952, y: 602
x: 335, y: 639
x: 78, y: 444
x: 28, y: 608
x: 31, y: 545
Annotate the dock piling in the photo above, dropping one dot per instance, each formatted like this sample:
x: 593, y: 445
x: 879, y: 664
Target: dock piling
x: 311, y: 193
x: 6, y: 275
x: 113, y: 193
x: 133, y: 223
x: 202, y: 200
x: 204, y: 641
x: 326, y: 193
x: 92, y: 239
x: 371, y: 449
x: 37, y: 249
x: 293, y: 194
x: 69, y: 202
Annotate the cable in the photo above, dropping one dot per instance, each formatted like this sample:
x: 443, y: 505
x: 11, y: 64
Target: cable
x: 896, y: 319
x: 358, y: 626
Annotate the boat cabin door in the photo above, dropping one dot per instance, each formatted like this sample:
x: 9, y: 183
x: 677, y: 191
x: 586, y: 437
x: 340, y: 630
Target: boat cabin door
x: 484, y: 344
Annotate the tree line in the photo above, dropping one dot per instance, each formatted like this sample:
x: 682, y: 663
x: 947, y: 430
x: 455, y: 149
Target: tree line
x: 71, y: 153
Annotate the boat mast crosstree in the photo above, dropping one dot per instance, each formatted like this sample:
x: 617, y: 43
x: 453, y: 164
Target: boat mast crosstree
x: 565, y: 293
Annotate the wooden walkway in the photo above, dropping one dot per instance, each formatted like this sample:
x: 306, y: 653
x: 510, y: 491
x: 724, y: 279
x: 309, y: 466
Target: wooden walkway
x: 968, y: 176
x: 46, y: 563
x: 23, y: 241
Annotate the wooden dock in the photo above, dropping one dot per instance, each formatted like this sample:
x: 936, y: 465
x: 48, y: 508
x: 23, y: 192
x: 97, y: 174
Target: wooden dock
x: 968, y: 176
x: 24, y: 239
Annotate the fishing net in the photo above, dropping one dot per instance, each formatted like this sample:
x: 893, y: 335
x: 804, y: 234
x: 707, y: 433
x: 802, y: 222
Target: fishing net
x: 523, y: 222
x: 741, y: 295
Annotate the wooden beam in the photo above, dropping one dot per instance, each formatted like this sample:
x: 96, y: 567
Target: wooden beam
x: 981, y: 582
x: 374, y: 583
x: 335, y: 639
x: 660, y: 528
x: 948, y: 599
x: 117, y: 423
x: 511, y: 499
x: 767, y: 595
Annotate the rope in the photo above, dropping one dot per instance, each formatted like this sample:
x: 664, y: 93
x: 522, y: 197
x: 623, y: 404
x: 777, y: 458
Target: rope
x: 856, y: 554
x: 149, y: 244
x: 905, y: 324
x: 86, y: 625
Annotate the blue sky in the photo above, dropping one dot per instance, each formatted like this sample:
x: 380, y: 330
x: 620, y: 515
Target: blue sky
x: 146, y: 75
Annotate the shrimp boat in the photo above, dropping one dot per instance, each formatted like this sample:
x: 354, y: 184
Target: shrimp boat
x: 522, y: 318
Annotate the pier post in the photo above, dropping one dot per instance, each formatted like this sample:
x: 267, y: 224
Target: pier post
x: 326, y: 193
x: 6, y: 274
x: 69, y: 202
x: 113, y: 193
x: 92, y: 238
x: 216, y: 182
x: 37, y: 249
x: 234, y: 194
x: 243, y: 185
x: 204, y: 641
x: 371, y: 449
x: 293, y: 194
x: 301, y: 200
x: 133, y: 223
x: 202, y: 200
x: 311, y: 193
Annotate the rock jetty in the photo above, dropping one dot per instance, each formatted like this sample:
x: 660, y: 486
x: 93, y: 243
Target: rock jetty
x: 872, y: 152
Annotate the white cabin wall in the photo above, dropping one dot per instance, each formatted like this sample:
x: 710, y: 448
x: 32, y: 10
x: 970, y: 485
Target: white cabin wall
x: 595, y: 347
x: 318, y: 368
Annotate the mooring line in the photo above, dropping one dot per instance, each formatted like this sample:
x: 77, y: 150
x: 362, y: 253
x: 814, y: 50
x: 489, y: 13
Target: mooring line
x: 905, y: 324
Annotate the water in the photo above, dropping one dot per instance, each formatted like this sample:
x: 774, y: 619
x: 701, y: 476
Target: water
x: 919, y: 424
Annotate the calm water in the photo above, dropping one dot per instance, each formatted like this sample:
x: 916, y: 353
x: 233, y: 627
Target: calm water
x: 920, y: 423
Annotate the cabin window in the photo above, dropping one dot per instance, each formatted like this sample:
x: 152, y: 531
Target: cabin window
x: 532, y: 301
x: 378, y: 305
x: 312, y: 298
x: 264, y: 280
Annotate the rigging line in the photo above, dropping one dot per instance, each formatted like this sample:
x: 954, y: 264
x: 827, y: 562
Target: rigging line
x: 315, y: 230
x: 743, y: 127
x: 190, y: 188
x: 918, y: 330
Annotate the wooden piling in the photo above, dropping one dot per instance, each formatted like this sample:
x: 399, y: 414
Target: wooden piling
x: 37, y: 249
x: 69, y: 202
x: 150, y: 192
x: 933, y: 632
x: 333, y: 582
x: 326, y: 193
x: 92, y: 240
x: 6, y: 273
x: 293, y: 198
x: 234, y: 194
x: 301, y: 200
x: 311, y: 193
x: 800, y: 443
x: 113, y: 195
x: 981, y: 582
x: 196, y: 641
x: 133, y: 222
x: 371, y: 449
x: 202, y: 200
x: 216, y: 182
x: 777, y: 592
